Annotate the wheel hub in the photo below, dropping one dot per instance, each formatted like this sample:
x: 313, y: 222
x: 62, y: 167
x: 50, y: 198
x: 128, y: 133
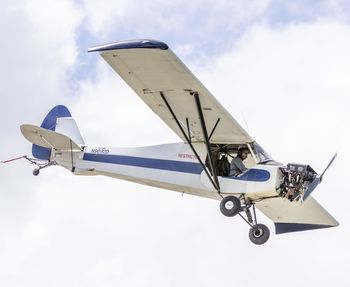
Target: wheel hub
x: 258, y: 232
x: 229, y: 205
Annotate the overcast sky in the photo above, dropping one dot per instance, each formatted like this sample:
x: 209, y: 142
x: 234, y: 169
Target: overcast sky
x: 282, y: 70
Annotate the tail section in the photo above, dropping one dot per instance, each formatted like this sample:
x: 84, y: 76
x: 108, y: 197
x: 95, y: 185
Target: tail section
x: 59, y: 119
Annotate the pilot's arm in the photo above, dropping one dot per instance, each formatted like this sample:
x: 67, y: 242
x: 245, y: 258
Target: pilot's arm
x: 237, y: 166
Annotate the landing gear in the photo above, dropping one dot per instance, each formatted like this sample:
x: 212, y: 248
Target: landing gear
x: 259, y: 234
x: 231, y: 206
x: 40, y: 165
x: 36, y: 172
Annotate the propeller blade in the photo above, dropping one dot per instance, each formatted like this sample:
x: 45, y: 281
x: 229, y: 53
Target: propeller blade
x: 317, y: 180
x: 329, y: 164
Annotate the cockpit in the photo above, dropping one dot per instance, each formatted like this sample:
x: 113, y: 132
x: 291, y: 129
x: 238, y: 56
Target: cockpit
x: 222, y: 155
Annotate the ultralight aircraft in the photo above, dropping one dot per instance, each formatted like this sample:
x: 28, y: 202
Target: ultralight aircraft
x: 200, y: 164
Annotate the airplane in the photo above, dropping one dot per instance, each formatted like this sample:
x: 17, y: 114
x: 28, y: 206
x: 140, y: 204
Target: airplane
x: 200, y: 164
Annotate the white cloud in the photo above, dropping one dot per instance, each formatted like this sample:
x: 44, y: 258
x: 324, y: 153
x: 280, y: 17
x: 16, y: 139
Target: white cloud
x: 38, y: 49
x: 101, y: 15
x: 289, y: 81
x: 178, y: 21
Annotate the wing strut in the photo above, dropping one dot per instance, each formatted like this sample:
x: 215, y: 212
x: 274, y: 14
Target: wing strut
x: 189, y: 141
x: 216, y: 124
x: 71, y: 155
x: 188, y: 129
x: 206, y: 138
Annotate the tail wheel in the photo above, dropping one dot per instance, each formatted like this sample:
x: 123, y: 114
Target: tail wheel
x: 230, y: 206
x: 36, y: 172
x: 259, y: 234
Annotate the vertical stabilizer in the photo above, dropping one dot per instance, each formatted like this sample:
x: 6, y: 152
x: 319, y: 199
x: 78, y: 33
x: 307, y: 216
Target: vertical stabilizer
x: 50, y: 122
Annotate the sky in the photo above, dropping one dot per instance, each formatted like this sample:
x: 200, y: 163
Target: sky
x: 281, y: 68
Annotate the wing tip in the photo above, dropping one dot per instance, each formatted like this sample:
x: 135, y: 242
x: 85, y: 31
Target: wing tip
x: 294, y: 227
x: 131, y: 44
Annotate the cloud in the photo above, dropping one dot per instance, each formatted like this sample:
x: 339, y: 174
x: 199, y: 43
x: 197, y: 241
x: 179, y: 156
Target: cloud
x: 37, y: 53
x: 99, y: 16
x: 178, y: 22
x: 294, y: 78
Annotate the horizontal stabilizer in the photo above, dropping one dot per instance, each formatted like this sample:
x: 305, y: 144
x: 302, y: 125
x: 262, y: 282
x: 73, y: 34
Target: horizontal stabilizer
x: 48, y: 139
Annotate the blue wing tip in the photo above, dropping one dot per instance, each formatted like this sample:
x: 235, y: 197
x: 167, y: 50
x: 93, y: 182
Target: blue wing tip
x: 131, y: 44
x: 294, y: 227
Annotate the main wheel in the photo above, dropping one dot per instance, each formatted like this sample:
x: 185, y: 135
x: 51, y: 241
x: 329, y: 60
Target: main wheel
x: 259, y: 234
x: 230, y: 206
x: 36, y: 172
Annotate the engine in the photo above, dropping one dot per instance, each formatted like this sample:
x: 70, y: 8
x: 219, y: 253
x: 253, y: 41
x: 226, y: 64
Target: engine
x: 296, y: 179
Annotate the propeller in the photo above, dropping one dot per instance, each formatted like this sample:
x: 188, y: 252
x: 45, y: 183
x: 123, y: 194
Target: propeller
x: 329, y: 164
x: 317, y: 180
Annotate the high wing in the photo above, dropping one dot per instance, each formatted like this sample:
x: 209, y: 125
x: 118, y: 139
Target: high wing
x: 158, y: 76
x: 294, y: 216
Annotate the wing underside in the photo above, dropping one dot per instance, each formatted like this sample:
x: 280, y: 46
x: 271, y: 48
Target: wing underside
x: 151, y: 69
x: 295, y: 216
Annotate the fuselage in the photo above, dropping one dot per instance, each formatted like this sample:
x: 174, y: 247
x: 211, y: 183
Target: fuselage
x: 169, y: 166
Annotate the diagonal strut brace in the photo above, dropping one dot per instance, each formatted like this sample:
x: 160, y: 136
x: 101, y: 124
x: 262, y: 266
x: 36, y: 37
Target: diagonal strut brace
x: 189, y: 141
x: 206, y: 138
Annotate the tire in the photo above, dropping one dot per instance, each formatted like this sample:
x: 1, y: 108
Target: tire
x: 36, y: 172
x: 259, y: 234
x: 230, y: 206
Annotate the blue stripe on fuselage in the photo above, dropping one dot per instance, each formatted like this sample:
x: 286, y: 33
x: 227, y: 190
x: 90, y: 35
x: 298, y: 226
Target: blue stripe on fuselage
x: 172, y: 165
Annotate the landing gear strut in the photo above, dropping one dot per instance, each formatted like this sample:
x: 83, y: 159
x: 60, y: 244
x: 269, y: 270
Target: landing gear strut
x: 231, y: 206
x: 40, y: 165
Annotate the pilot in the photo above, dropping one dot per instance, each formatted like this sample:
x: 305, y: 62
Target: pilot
x: 237, y: 166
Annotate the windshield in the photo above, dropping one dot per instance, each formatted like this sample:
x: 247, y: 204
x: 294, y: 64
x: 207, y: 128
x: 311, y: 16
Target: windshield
x: 261, y: 155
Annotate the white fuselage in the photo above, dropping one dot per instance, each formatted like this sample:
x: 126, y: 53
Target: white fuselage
x: 169, y: 166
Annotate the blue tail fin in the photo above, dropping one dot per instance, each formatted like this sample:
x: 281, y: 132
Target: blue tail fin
x: 50, y: 123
